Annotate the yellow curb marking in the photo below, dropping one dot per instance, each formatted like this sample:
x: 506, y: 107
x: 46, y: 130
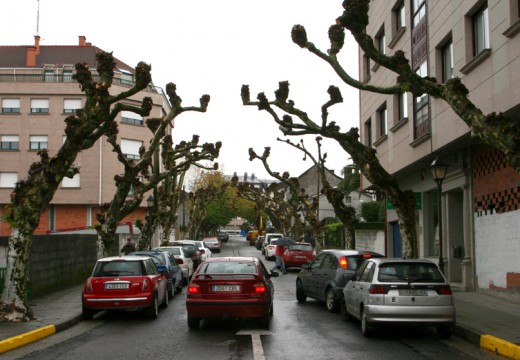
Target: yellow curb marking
x: 501, y: 347
x: 29, y: 337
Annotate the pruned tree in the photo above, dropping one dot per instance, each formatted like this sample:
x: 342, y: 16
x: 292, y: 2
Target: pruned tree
x: 174, y: 159
x: 32, y: 196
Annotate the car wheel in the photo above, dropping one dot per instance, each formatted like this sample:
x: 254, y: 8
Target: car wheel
x: 345, y: 315
x: 171, y: 293
x: 193, y: 322
x: 87, y: 314
x: 330, y: 301
x: 366, y: 327
x: 445, y: 331
x: 153, y: 310
x: 166, y: 301
x: 300, y: 292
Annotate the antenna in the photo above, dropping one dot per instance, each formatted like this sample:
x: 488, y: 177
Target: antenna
x: 38, y: 19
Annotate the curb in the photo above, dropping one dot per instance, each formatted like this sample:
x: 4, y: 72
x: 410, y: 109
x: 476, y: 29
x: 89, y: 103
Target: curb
x: 37, y: 334
x: 489, y: 342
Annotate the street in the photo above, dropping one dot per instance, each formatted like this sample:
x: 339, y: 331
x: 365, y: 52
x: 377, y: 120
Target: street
x: 298, y: 331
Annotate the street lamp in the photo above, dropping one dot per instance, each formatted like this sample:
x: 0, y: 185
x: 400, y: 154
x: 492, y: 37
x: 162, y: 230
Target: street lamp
x: 439, y: 170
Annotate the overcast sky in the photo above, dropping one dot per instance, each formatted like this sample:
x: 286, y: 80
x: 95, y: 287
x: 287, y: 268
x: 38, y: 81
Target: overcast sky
x: 211, y: 47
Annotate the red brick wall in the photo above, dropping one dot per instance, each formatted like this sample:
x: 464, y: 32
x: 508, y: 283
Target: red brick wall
x: 496, y: 186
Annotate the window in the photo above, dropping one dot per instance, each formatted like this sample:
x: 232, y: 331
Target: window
x: 366, y: 68
x: 127, y: 77
x: 421, y: 108
x: 128, y: 117
x: 10, y: 105
x: 131, y: 148
x: 71, y: 106
x: 403, y: 105
x: 368, y: 133
x: 39, y: 106
x: 71, y: 183
x: 52, y: 217
x: 49, y: 75
x: 38, y: 142
x: 419, y: 11
x: 8, y: 179
x: 382, y: 119
x: 67, y: 75
x: 400, y: 20
x: 447, y: 61
x: 480, y: 30
x: 381, y: 42
x: 9, y: 142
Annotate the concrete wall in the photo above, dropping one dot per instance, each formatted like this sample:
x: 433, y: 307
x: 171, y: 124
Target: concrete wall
x: 496, y: 251
x: 370, y: 240
x: 59, y: 261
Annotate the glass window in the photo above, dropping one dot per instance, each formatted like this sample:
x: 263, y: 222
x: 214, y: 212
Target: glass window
x: 67, y: 75
x: 49, y: 75
x: 421, y: 108
x: 381, y: 43
x: 366, y: 66
x: 38, y: 142
x: 71, y: 106
x: 9, y: 142
x: 316, y: 263
x: 128, y: 117
x: 481, y: 30
x: 400, y: 16
x: 8, y: 179
x: 10, y: 105
x: 39, y: 106
x: 330, y: 262
x: 365, y: 276
x: 409, y: 271
x: 403, y: 106
x: 447, y: 61
x: 419, y: 11
x: 383, y: 120
x: 131, y: 148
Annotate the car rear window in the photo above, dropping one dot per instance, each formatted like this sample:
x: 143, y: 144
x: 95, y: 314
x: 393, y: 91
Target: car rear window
x: 406, y: 272
x: 301, y: 247
x: 229, y: 267
x: 117, y: 268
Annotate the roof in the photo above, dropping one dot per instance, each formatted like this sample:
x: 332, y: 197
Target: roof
x: 339, y: 252
x: 56, y: 55
x: 123, y: 258
x: 232, y: 258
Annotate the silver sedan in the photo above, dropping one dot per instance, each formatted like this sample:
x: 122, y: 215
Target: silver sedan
x: 399, y: 292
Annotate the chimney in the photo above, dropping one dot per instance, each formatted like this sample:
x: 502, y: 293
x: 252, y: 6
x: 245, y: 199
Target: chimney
x: 37, y: 43
x: 82, y: 41
x: 253, y: 177
x: 245, y: 176
x: 31, y: 56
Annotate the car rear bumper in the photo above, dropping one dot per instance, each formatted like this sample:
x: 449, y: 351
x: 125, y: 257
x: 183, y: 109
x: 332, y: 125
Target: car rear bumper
x: 419, y: 315
x: 241, y: 309
x: 113, y: 303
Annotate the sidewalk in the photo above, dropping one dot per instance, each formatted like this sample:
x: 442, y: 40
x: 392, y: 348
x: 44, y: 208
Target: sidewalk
x: 484, y: 320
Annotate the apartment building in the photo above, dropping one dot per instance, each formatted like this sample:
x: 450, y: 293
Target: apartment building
x: 37, y: 93
x: 478, y: 41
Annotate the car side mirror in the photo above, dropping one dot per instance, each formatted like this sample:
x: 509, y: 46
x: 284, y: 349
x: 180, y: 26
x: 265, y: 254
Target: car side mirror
x: 349, y: 276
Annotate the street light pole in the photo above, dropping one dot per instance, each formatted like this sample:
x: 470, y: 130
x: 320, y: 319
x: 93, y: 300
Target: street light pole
x: 439, y: 170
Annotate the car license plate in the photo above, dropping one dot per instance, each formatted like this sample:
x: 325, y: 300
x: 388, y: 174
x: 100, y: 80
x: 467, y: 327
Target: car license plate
x: 225, y: 288
x: 300, y: 257
x: 116, y: 286
x: 413, y: 292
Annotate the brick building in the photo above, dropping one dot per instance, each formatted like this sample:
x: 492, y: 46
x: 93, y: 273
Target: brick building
x: 37, y: 93
x: 478, y: 41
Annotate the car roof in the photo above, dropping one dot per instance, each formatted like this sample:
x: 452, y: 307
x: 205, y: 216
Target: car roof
x: 401, y: 260
x: 123, y: 258
x: 232, y: 258
x: 340, y: 253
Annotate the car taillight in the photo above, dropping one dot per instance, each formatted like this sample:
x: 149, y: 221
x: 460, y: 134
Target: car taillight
x: 194, y: 289
x: 89, y: 287
x: 366, y: 256
x: 377, y: 289
x: 444, y: 290
x: 146, y: 286
x: 203, y: 252
x: 343, y: 262
x: 259, y: 289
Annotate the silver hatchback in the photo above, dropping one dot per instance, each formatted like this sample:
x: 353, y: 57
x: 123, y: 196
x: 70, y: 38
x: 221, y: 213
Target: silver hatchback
x: 399, y: 292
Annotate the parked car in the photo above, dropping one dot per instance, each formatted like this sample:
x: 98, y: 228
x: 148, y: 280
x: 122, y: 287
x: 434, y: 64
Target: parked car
x: 125, y: 283
x: 191, y: 249
x: 298, y: 254
x: 166, y: 262
x: 325, y: 277
x: 270, y: 250
x: 183, y: 260
x: 223, y: 236
x: 400, y: 292
x: 268, y: 238
x: 212, y: 243
x: 230, y: 287
x: 205, y: 252
x: 259, y: 242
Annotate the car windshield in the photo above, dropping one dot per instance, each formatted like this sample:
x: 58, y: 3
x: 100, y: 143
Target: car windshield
x: 228, y: 267
x: 117, y: 268
x: 301, y: 247
x: 409, y: 272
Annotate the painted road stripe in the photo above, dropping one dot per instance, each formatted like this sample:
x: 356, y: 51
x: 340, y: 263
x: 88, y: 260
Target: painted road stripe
x: 26, y: 338
x: 258, y: 350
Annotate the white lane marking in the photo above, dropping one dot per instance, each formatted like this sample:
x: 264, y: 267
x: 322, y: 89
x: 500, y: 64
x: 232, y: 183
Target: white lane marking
x: 258, y: 350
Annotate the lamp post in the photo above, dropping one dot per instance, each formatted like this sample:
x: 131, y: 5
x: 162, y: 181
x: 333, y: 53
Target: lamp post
x: 439, y: 170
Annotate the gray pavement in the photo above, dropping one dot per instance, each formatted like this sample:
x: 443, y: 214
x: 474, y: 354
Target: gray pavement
x: 482, y: 319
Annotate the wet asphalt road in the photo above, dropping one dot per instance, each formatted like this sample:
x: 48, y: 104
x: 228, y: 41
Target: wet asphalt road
x: 298, y: 331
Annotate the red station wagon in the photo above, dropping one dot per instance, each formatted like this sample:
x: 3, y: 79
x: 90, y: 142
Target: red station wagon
x: 125, y: 283
x: 229, y: 288
x: 298, y: 254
